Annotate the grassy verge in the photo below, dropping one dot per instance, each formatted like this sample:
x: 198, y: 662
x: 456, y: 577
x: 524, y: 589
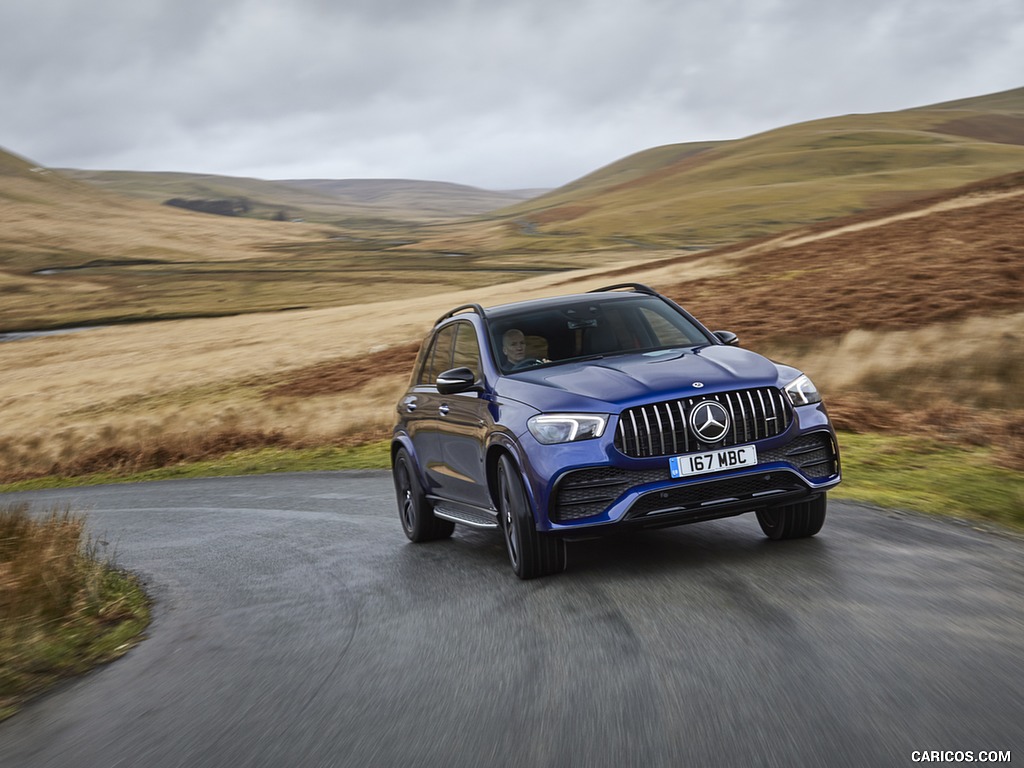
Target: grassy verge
x: 63, y: 609
x: 925, y: 475
x: 256, y: 461
x: 911, y: 473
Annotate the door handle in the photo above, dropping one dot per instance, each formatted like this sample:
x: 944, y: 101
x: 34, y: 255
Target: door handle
x: 410, y: 404
x: 443, y: 410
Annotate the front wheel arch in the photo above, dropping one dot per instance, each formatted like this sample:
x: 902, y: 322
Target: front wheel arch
x: 531, y: 553
x: 493, y: 457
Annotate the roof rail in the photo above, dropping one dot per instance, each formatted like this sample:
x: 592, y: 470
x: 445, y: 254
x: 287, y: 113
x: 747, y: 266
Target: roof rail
x: 475, y: 307
x: 637, y: 287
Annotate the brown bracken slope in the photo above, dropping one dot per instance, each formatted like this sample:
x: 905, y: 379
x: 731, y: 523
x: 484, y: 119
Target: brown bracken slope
x: 898, y: 269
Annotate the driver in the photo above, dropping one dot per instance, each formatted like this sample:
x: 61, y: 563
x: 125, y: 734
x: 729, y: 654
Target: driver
x: 513, y: 346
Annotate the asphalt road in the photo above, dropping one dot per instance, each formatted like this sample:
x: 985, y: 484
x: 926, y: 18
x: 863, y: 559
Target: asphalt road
x: 295, y: 626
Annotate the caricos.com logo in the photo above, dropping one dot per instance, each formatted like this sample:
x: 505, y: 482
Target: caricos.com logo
x: 959, y: 756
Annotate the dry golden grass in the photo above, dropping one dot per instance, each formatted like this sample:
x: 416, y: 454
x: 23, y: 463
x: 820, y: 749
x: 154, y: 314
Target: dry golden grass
x: 42, y: 573
x: 130, y: 386
x: 921, y: 305
x: 47, y: 213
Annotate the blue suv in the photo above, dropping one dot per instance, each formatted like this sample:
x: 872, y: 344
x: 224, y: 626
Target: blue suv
x: 574, y: 416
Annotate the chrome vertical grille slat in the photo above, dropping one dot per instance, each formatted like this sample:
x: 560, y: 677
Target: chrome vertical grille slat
x: 682, y: 425
x: 743, y: 413
x: 672, y: 427
x: 753, y: 411
x: 663, y: 429
x: 760, y: 401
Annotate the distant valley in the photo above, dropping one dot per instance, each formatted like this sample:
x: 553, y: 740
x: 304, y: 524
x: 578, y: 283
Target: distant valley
x: 346, y: 202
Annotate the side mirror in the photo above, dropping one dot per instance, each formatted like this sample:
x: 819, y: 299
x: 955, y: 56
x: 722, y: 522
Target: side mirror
x: 456, y: 380
x: 728, y: 338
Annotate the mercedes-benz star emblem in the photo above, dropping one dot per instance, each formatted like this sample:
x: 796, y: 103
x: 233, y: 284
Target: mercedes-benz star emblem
x: 710, y: 421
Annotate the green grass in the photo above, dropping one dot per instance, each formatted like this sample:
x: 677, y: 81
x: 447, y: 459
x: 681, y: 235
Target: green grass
x: 248, y: 462
x: 927, y: 476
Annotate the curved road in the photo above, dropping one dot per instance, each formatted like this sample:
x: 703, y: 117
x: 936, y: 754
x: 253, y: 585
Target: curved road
x: 295, y: 626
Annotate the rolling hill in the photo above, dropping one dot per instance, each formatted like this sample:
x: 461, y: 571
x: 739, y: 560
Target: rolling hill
x: 356, y: 203
x: 699, y: 195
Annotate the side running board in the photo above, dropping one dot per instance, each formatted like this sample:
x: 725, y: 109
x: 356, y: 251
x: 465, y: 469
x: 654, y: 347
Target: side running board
x: 470, y: 517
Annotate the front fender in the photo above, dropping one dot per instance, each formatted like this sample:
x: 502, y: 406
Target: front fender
x: 402, y: 440
x: 504, y: 443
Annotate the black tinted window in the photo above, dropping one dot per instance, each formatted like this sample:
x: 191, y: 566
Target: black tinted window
x: 594, y: 327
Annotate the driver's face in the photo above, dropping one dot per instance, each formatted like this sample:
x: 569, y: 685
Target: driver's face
x: 514, y: 347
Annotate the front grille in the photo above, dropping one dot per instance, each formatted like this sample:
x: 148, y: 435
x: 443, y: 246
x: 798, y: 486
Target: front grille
x: 753, y: 489
x: 663, y: 429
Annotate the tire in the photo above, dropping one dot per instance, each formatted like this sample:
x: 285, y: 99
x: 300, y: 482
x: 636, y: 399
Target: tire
x: 793, y: 521
x: 530, y: 552
x: 414, y: 509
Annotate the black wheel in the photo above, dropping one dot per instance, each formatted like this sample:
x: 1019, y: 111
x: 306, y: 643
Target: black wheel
x: 531, y: 553
x: 414, y: 509
x: 793, y: 521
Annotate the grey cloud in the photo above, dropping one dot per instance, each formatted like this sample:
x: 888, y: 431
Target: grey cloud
x: 520, y: 93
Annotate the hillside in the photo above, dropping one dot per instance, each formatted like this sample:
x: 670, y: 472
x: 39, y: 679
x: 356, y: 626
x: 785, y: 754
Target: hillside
x: 70, y: 252
x: 47, y: 212
x: 699, y: 195
x: 349, y: 203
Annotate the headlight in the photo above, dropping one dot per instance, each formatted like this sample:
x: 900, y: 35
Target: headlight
x: 552, y: 428
x: 802, y: 391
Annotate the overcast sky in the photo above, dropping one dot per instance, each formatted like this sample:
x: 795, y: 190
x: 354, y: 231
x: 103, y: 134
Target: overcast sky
x: 494, y: 93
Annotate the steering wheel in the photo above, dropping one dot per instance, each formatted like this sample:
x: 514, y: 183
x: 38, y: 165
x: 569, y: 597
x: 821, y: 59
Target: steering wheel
x: 526, y: 362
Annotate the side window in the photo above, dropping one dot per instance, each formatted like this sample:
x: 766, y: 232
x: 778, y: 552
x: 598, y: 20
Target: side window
x: 439, y: 357
x: 467, y: 349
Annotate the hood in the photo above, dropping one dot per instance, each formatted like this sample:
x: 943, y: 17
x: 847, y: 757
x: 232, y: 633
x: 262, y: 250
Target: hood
x: 621, y: 381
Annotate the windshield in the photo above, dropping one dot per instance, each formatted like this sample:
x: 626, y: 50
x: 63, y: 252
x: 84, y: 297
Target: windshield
x: 589, y: 328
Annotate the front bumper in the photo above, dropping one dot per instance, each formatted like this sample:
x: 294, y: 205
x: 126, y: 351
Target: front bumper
x: 612, y: 490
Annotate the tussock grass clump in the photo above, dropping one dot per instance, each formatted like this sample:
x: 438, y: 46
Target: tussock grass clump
x: 63, y: 609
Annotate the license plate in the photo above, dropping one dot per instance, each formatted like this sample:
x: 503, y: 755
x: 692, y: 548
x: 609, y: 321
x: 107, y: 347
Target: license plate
x: 713, y: 461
